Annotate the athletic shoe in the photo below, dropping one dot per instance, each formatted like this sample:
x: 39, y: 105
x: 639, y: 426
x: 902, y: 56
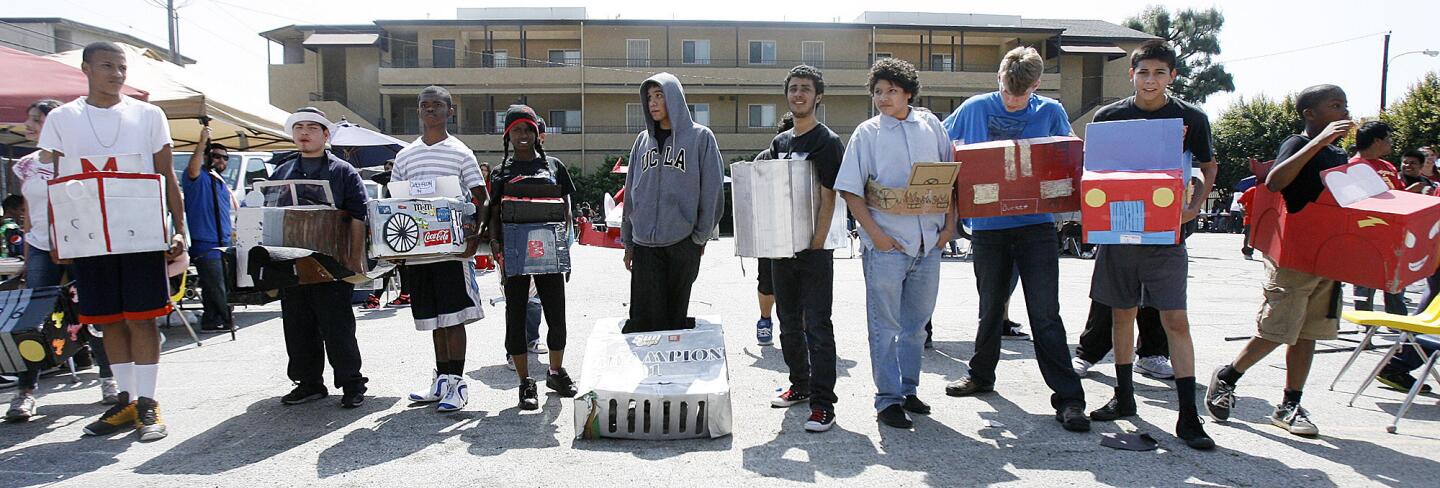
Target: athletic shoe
x: 510, y: 362
x: 528, y: 395
x: 821, y: 420
x: 439, y: 388
x: 457, y: 394
x: 353, y: 396
x: 1189, y: 429
x: 896, y: 417
x: 966, y: 387
x: 537, y: 347
x: 914, y: 405
x: 148, y: 421
x: 1082, y: 367
x: 1220, y: 398
x: 401, y: 301
x: 1072, y: 418
x: 305, y: 392
x: 217, y: 328
x: 764, y: 332
x: 1114, y: 409
x: 109, y: 391
x: 371, y: 303
x: 117, y: 418
x: 1157, y: 367
x: 560, y: 383
x: 1294, y: 418
x: 789, y: 398
x: 22, y: 407
x: 1400, y: 381
x: 1012, y: 332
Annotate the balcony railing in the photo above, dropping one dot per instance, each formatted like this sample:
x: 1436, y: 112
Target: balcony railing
x: 480, y: 61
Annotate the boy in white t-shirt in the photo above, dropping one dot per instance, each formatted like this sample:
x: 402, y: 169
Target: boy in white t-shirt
x: 124, y: 293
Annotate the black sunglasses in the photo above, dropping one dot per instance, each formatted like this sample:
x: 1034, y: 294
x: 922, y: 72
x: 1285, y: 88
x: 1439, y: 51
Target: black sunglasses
x: 219, y: 156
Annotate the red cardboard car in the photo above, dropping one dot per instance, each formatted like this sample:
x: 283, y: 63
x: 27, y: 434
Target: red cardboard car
x: 1019, y: 177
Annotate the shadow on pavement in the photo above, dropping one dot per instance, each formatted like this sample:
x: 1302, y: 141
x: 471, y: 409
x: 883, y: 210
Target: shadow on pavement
x: 394, y: 436
x: 47, y: 418
x: 56, y: 461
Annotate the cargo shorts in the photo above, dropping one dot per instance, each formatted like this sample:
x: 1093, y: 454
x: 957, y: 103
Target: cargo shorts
x: 1298, y: 305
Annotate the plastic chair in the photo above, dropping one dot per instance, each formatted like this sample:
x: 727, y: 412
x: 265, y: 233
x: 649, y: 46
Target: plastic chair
x: 1409, y: 326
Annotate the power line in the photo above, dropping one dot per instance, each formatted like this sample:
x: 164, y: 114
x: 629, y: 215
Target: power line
x: 1298, y: 49
x: 42, y: 34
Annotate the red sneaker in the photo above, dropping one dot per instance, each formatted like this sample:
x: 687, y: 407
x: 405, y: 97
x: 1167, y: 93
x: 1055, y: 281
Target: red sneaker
x: 401, y: 301
x: 371, y: 303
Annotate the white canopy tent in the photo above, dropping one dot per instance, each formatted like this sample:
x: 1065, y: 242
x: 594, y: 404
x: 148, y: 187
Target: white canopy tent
x: 188, y: 100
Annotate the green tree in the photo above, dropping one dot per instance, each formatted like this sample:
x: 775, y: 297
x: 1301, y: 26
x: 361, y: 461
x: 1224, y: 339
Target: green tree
x: 1196, y: 36
x: 591, y: 186
x: 1416, y: 117
x: 1248, y: 129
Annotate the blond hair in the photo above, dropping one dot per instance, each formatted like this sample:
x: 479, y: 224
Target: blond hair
x: 1020, y: 69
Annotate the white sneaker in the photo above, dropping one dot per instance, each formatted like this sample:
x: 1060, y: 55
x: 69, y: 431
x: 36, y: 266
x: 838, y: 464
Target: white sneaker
x: 109, y: 391
x: 1082, y: 367
x: 456, y: 396
x: 1155, y: 367
x: 1295, y: 419
x: 435, y: 393
x: 510, y: 362
x: 537, y: 347
x: 22, y: 407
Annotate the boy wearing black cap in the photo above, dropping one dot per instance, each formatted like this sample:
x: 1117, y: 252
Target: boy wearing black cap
x: 673, y: 204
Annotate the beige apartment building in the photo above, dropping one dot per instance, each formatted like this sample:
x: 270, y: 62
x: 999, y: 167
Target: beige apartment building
x: 583, y: 75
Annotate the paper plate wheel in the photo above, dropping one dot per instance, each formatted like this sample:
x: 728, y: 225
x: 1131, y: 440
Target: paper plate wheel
x: 401, y: 232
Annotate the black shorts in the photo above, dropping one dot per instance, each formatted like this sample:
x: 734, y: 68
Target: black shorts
x: 1127, y: 276
x: 765, y: 286
x: 119, y: 287
x: 442, y: 294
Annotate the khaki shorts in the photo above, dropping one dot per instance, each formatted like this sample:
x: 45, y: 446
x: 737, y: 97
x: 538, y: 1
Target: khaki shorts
x: 1297, y: 306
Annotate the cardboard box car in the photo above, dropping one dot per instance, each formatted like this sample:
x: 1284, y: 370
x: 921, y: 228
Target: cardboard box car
x: 39, y: 331
x: 1131, y: 207
x: 929, y: 190
x: 776, y: 206
x: 107, y: 209
x: 1369, y: 236
x: 1019, y: 177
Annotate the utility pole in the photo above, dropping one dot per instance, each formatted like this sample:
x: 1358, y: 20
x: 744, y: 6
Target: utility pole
x: 1384, y: 70
x: 171, y: 19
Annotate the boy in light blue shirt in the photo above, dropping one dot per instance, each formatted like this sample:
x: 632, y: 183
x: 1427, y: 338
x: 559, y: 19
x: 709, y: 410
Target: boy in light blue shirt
x: 901, y: 252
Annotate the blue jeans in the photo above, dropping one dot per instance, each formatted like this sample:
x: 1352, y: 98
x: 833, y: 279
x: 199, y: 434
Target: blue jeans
x: 900, y: 293
x: 1408, y: 360
x: 213, y: 291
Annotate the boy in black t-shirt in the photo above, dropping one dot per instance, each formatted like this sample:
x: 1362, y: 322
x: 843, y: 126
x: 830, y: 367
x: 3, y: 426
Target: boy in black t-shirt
x: 1300, y: 308
x: 804, y: 284
x: 1123, y: 271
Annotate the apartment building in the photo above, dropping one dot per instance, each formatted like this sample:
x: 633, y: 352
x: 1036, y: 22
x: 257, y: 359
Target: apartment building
x: 50, y: 35
x: 583, y: 75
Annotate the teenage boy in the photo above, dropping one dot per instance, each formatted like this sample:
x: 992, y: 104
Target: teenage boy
x: 1410, y: 164
x: 208, y: 205
x: 444, y: 296
x: 317, y: 318
x: 124, y: 293
x: 1152, y: 349
x: 901, y: 257
x: 1023, y: 243
x: 672, y: 205
x: 1372, y: 142
x: 804, y: 284
x: 1299, y: 308
x: 1123, y: 271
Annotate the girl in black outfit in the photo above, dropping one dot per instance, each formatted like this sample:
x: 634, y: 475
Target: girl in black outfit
x: 529, y: 173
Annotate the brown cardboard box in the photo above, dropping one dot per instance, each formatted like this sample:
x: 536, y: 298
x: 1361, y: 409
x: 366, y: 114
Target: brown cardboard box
x: 930, y: 191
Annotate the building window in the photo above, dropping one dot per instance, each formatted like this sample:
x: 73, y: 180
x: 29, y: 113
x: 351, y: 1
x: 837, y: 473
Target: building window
x: 498, y: 58
x: 879, y: 56
x: 499, y: 126
x: 634, y: 117
x: 820, y: 113
x: 637, y: 53
x: 700, y: 113
x: 443, y: 52
x: 762, y: 52
x: 404, y: 50
x: 566, y: 121
x: 695, y: 51
x: 942, y: 62
x: 812, y: 53
x: 560, y: 58
x: 762, y: 116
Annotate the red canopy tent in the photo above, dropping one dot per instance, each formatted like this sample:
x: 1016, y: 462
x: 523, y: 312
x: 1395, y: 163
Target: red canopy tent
x: 29, y: 78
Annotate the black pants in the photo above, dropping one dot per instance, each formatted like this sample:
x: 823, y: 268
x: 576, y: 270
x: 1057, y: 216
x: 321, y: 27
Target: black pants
x: 1096, y: 341
x: 318, y: 321
x: 660, y: 281
x: 213, y: 293
x: 551, y: 288
x: 804, y: 291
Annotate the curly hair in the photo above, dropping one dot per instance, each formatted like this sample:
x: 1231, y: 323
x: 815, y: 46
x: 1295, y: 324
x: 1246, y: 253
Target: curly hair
x: 807, y: 72
x: 896, y: 71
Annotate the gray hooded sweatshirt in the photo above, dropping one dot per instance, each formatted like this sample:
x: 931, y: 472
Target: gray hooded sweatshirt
x: 672, y: 192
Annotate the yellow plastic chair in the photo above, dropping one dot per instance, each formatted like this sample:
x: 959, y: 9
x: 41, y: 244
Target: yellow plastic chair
x: 1409, y: 326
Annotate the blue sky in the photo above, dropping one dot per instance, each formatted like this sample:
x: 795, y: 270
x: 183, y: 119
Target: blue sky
x: 1272, y: 47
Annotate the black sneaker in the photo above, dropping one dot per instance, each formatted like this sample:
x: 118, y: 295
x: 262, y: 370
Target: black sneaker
x: 560, y: 383
x: 1012, y: 332
x: 914, y: 405
x: 1114, y: 409
x: 1072, y: 417
x: 1189, y: 429
x: 216, y: 327
x: 304, y: 393
x: 820, y: 420
x: 965, y: 387
x: 354, y: 396
x: 1399, y: 381
x: 528, y: 400
x: 1220, y: 397
x: 896, y: 417
x: 148, y: 421
x: 118, y: 417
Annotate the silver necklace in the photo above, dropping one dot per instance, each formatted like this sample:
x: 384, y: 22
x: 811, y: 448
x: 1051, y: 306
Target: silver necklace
x: 96, y: 133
